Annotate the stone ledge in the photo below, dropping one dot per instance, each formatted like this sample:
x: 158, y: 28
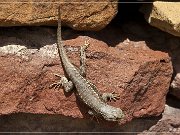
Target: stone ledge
x: 78, y: 15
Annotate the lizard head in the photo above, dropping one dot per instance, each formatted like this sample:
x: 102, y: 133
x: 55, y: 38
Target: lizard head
x: 111, y: 113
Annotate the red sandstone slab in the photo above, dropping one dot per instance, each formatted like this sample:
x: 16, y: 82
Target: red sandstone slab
x: 141, y: 76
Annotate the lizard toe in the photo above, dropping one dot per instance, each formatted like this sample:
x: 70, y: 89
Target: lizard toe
x: 56, y: 85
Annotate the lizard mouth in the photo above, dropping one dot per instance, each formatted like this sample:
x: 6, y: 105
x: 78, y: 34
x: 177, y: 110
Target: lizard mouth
x: 114, y: 118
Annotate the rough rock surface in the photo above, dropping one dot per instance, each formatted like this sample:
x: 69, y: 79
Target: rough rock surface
x: 79, y: 15
x: 158, y: 40
x: 29, y: 58
x: 170, y: 121
x: 163, y: 15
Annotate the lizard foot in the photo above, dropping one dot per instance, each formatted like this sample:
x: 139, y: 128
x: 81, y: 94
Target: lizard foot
x: 67, y: 85
x: 57, y: 84
x: 110, y: 96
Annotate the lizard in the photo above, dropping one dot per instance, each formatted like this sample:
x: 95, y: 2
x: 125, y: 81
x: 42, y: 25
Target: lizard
x: 84, y: 89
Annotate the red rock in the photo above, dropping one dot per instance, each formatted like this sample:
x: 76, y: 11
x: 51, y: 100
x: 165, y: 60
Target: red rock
x: 140, y: 75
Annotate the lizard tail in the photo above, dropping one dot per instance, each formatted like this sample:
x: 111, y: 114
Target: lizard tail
x: 59, y: 36
x: 59, y: 26
x: 60, y: 44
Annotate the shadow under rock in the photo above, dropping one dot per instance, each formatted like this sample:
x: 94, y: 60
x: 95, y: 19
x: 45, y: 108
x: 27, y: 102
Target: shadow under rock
x: 31, y: 37
x: 37, y: 37
x: 23, y: 122
x: 112, y: 35
x: 173, y: 101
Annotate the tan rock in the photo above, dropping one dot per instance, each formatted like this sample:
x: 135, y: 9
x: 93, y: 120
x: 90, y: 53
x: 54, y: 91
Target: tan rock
x: 79, y: 15
x: 140, y: 75
x: 163, y: 15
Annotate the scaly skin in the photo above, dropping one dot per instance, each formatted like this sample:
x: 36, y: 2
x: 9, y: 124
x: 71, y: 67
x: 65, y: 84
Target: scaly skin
x: 86, y: 91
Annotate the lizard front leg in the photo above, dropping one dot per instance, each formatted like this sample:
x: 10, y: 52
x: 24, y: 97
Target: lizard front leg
x: 110, y: 96
x: 67, y: 85
x: 106, y: 96
x: 83, y: 58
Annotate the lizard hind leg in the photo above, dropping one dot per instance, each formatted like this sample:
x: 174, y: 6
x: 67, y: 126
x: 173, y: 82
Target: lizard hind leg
x: 56, y: 84
x: 83, y: 58
x: 67, y: 85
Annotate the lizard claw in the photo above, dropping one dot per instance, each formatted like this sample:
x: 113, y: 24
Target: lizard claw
x: 86, y: 44
x: 57, y: 84
x: 114, y: 96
